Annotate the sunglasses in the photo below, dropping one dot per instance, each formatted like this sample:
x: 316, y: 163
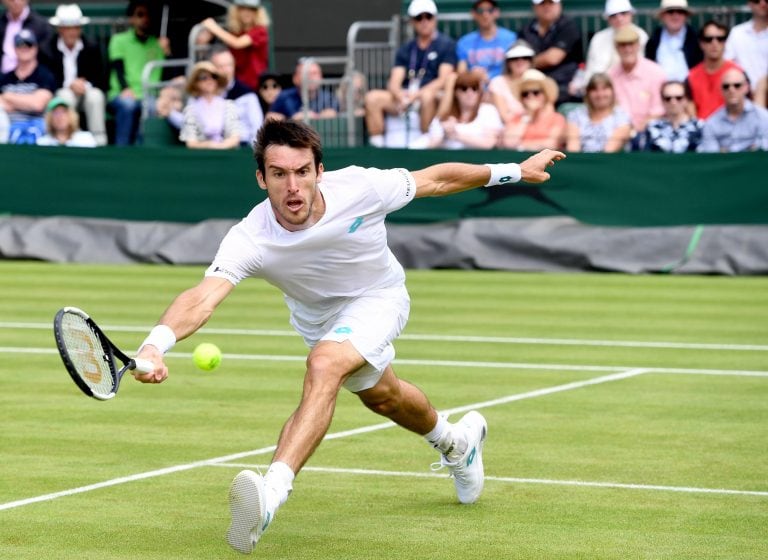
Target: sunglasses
x: 735, y: 85
x: 204, y: 76
x: 677, y: 12
x: 710, y: 38
x: 482, y: 11
x: 424, y: 16
x: 466, y: 88
x: 530, y: 92
x: 673, y: 97
x: 270, y: 85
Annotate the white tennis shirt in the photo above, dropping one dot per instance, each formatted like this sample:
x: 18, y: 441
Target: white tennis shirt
x: 342, y: 256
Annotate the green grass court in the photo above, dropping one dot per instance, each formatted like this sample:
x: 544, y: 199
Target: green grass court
x: 628, y: 418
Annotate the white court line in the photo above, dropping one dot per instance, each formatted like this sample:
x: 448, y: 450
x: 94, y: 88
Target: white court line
x: 446, y: 338
x: 335, y: 435
x: 445, y: 363
x: 515, y: 480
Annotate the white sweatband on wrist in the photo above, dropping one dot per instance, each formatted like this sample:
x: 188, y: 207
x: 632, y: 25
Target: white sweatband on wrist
x: 503, y: 173
x: 161, y: 337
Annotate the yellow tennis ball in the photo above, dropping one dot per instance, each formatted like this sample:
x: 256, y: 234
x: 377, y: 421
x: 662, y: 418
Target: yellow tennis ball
x: 207, y: 356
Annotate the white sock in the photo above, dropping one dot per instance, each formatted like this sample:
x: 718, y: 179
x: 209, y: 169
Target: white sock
x: 279, y: 479
x: 443, y: 439
x: 376, y: 140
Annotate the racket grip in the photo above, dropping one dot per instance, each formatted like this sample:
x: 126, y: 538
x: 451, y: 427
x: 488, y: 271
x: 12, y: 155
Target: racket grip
x: 144, y: 366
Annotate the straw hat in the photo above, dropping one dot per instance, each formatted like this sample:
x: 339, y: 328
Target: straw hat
x: 667, y: 5
x: 199, y: 68
x: 548, y: 85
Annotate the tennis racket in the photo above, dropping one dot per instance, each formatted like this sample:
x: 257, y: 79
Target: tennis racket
x: 90, y: 357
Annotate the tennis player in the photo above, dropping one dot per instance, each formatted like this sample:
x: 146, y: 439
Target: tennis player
x: 320, y: 237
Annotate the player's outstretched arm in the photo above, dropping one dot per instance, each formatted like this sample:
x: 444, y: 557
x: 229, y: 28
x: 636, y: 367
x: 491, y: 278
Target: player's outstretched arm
x: 188, y: 312
x: 449, y: 178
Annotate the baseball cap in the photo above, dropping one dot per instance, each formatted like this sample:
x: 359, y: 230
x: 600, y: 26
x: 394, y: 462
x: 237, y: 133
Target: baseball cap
x: 57, y: 102
x: 422, y: 7
x: 248, y: 3
x: 537, y: 2
x: 613, y: 7
x: 25, y: 37
x: 520, y: 49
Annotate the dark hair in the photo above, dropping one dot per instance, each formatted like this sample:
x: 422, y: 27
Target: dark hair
x: 133, y: 4
x: 720, y: 25
x: 291, y: 133
x: 684, y: 85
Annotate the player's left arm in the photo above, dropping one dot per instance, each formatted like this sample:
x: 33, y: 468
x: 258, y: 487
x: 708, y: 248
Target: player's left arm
x: 449, y: 178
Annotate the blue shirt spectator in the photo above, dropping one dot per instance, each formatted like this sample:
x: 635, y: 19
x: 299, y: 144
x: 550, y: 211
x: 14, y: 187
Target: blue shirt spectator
x: 485, y: 48
x: 322, y: 102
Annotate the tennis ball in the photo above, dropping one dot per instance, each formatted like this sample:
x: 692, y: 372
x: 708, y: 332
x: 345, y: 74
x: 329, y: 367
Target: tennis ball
x: 207, y: 356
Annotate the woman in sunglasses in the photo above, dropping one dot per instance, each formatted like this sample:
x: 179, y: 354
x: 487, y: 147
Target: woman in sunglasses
x: 505, y: 89
x: 540, y: 125
x: 600, y: 125
x: 463, y: 120
x: 676, y: 131
x: 210, y: 121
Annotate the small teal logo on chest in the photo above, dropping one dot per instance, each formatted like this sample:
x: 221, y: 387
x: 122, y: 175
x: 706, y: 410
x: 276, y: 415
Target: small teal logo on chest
x: 343, y: 330
x: 356, y: 224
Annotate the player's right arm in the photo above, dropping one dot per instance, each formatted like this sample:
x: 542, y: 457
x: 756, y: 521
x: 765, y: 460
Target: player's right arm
x: 189, y: 311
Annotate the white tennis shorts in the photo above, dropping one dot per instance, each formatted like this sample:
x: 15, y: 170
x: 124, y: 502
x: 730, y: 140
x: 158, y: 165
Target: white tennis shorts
x: 371, y: 323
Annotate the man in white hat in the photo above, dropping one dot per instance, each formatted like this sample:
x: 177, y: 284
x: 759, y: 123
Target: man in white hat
x: 674, y: 44
x: 601, y: 54
x: 78, y: 67
x: 417, y: 79
x: 747, y: 43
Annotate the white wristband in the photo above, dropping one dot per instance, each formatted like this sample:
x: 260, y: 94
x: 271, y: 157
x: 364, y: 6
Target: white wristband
x: 503, y: 173
x: 161, y: 337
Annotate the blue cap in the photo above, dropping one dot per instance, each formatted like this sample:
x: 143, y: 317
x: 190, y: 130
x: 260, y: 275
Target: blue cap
x: 25, y: 37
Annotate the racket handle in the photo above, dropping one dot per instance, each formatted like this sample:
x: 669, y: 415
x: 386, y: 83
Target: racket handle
x: 144, y: 366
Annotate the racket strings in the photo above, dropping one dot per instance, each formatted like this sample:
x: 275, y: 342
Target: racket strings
x: 87, y: 354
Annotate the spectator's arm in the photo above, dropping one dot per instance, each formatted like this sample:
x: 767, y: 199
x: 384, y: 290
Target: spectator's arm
x: 573, y: 138
x: 118, y: 67
x: 619, y: 137
x: 33, y: 102
x: 709, y: 143
x: 549, y: 58
x: 232, y: 41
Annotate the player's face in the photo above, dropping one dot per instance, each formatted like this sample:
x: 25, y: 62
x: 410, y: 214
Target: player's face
x: 291, y: 181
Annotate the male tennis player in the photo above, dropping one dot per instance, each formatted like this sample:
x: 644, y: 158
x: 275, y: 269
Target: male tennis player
x: 320, y: 238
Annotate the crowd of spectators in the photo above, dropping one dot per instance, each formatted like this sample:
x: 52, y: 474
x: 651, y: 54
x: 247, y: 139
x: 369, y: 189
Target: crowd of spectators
x: 677, y: 89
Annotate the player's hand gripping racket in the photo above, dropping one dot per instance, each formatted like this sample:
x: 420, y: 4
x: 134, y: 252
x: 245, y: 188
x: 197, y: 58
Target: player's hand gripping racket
x: 89, y: 356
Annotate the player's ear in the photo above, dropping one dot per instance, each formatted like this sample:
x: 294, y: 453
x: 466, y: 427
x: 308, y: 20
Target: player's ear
x: 320, y: 170
x: 260, y: 180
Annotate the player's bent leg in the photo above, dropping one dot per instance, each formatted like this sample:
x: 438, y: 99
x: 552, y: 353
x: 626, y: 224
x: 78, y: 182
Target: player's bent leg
x: 403, y: 403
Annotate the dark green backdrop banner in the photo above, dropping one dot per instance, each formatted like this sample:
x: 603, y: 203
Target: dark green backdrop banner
x: 178, y: 185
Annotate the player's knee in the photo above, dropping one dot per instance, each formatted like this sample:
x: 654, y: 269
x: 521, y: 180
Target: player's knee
x: 322, y: 369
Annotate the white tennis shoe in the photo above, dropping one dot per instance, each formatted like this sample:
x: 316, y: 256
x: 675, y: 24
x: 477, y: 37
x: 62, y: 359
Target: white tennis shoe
x: 467, y: 470
x: 247, y: 504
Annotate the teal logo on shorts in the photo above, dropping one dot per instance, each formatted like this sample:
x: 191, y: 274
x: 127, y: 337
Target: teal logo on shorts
x: 356, y: 224
x: 343, y: 330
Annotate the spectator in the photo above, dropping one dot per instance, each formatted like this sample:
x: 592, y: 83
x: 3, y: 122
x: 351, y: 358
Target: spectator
x: 359, y: 86
x: 418, y: 76
x: 18, y: 16
x: 637, y: 81
x: 249, y: 109
x: 210, y: 121
x: 540, y: 125
x: 483, y: 50
x: 77, y: 65
x: 600, y: 125
x: 676, y: 131
x: 557, y: 41
x: 747, y: 43
x: 247, y: 38
x: 674, y: 45
x: 463, y: 120
x: 505, y: 88
x: 62, y: 127
x: 322, y: 102
x: 601, y: 53
x: 25, y: 92
x: 269, y: 88
x: 129, y: 51
x: 739, y: 126
x: 704, y: 78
